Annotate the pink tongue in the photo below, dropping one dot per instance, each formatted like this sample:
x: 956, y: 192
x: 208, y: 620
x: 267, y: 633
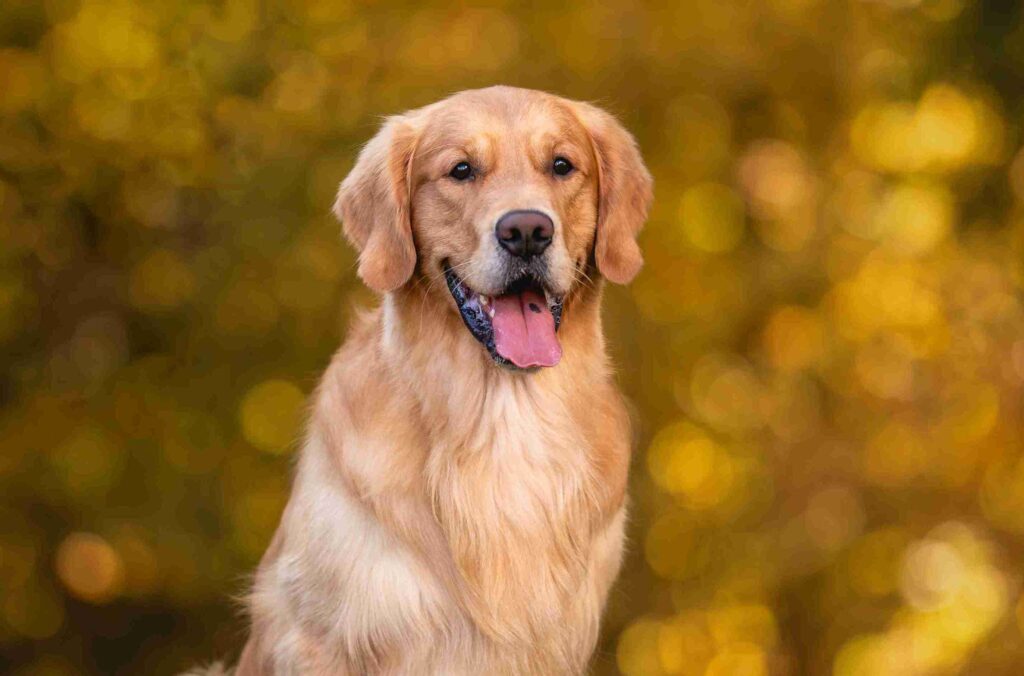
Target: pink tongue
x: 524, y: 330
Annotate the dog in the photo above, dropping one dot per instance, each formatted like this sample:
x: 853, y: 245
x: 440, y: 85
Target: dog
x: 459, y: 501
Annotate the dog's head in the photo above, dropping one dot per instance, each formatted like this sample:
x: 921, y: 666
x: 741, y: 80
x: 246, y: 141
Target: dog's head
x: 509, y: 195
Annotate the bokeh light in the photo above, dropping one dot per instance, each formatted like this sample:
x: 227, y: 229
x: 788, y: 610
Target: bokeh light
x: 89, y: 567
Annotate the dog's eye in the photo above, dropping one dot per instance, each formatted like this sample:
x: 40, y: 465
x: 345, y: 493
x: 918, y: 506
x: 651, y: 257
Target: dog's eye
x: 562, y: 166
x: 461, y: 171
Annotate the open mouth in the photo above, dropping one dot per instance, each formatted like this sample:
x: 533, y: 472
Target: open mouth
x: 518, y: 326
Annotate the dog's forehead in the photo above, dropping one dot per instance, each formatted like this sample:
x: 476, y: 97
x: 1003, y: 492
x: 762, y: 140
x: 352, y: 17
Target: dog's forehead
x: 500, y: 113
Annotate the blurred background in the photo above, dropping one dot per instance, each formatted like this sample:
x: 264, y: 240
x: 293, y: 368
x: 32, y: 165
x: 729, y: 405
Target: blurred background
x: 825, y: 350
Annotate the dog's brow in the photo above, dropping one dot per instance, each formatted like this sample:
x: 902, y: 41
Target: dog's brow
x: 477, y: 147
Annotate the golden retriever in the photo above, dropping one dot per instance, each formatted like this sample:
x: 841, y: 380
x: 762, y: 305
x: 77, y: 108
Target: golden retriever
x: 459, y: 502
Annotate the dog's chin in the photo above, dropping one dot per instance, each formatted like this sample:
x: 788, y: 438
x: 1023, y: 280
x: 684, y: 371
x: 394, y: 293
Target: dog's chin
x: 518, y: 326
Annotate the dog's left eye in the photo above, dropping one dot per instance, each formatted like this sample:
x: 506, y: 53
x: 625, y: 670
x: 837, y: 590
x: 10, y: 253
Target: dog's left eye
x: 562, y: 166
x: 461, y: 171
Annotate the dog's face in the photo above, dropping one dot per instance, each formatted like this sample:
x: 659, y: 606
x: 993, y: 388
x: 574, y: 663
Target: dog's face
x: 509, y: 196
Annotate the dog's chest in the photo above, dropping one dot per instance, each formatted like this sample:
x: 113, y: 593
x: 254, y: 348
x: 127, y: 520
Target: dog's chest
x: 522, y: 464
x: 518, y: 505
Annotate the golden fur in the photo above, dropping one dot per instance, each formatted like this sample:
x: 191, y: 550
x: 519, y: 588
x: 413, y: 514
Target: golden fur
x: 449, y: 516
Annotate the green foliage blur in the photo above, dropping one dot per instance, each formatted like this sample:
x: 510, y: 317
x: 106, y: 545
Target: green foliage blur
x: 825, y: 349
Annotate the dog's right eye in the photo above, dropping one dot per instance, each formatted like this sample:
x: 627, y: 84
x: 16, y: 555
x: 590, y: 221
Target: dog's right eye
x: 461, y: 171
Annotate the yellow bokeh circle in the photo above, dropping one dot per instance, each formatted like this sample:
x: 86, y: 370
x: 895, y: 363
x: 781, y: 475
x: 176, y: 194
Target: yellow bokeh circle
x: 89, y: 567
x: 271, y: 415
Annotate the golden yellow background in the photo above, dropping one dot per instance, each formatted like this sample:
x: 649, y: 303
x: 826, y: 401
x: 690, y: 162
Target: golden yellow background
x: 824, y: 351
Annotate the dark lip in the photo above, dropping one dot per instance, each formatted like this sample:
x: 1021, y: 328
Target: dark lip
x: 476, y: 319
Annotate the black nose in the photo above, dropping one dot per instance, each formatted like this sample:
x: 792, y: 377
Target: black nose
x: 524, y: 233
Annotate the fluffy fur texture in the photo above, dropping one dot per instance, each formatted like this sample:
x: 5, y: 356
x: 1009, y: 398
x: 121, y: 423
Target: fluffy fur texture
x: 449, y: 516
x: 216, y: 669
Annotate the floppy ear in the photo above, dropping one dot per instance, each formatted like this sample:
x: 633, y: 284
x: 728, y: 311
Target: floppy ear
x: 373, y: 205
x: 625, y: 193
